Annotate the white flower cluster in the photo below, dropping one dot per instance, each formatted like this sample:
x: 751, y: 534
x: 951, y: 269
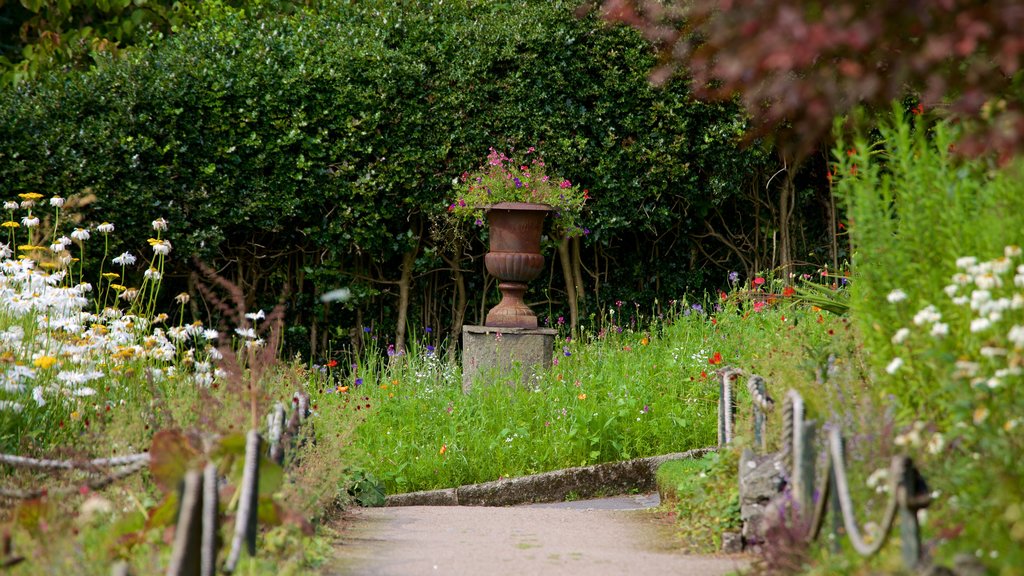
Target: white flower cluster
x: 993, y: 294
x: 55, y: 350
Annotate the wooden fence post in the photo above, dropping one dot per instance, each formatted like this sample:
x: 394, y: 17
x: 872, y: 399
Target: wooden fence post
x: 210, y: 544
x: 187, y: 533
x: 245, y: 518
x: 803, y: 473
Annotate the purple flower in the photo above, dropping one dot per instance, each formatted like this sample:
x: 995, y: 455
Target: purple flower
x: 430, y: 350
x: 586, y: 231
x: 366, y: 329
x: 359, y: 381
x: 734, y: 277
x: 697, y: 308
x: 561, y: 320
x: 646, y: 409
x: 428, y: 329
x: 518, y: 182
x: 391, y: 349
x: 565, y: 350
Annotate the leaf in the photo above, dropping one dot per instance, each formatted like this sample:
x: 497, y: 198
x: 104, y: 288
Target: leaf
x: 268, y: 512
x: 271, y: 476
x: 164, y: 514
x: 170, y: 456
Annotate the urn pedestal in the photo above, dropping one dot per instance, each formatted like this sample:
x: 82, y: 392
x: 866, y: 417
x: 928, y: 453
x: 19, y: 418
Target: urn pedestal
x: 507, y: 355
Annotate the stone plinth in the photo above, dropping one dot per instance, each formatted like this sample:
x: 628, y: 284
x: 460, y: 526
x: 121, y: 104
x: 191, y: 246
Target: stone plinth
x: 504, y: 351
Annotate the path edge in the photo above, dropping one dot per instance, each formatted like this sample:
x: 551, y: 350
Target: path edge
x: 606, y: 479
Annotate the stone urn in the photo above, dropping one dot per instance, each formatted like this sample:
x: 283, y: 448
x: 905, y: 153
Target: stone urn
x: 514, y: 259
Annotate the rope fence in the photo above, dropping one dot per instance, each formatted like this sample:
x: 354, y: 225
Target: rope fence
x: 908, y: 491
x: 197, y: 528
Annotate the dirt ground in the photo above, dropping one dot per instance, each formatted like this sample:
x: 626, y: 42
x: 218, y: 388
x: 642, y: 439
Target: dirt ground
x: 593, y: 538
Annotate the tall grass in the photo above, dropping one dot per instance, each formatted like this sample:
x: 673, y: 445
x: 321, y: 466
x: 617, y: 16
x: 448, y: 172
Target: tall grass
x: 620, y: 393
x: 938, y: 295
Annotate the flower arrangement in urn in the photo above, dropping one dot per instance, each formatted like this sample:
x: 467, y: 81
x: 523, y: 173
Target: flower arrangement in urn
x: 516, y: 196
x: 522, y: 179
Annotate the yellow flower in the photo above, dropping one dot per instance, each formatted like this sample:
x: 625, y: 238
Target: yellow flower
x: 118, y: 287
x: 44, y: 362
x: 30, y: 196
x: 111, y: 275
x: 980, y: 415
x: 582, y: 396
x: 645, y: 341
x: 383, y: 386
x: 10, y: 224
x: 75, y: 415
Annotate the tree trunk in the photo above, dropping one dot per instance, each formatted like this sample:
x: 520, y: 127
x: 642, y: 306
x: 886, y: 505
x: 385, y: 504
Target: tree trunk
x: 787, y: 204
x: 404, y: 286
x: 577, y: 270
x: 461, y: 302
x: 571, y: 287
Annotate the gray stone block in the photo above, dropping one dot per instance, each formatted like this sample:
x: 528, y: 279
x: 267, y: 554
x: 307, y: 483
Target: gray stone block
x: 761, y: 480
x: 732, y: 543
x: 503, y: 352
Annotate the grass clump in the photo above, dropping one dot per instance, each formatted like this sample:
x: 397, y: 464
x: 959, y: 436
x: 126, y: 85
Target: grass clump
x: 703, y: 494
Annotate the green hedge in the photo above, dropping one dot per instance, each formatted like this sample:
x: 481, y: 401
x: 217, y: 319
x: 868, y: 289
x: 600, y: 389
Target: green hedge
x: 311, y: 150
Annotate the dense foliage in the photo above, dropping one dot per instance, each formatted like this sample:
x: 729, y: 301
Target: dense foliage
x: 797, y: 67
x: 938, y: 295
x: 306, y: 153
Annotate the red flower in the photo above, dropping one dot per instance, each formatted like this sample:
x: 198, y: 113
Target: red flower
x: 702, y: 375
x: 918, y: 110
x: 758, y: 281
x: 716, y: 358
x: 332, y: 363
x: 722, y: 295
x: 714, y: 321
x: 788, y: 291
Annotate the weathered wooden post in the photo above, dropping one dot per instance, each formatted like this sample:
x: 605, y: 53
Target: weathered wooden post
x: 726, y: 407
x: 245, y: 519
x: 210, y: 544
x: 759, y: 391
x: 835, y: 508
x: 912, y: 495
x: 185, y: 554
x: 804, y: 455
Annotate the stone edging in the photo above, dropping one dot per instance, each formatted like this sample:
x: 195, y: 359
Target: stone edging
x: 583, y: 482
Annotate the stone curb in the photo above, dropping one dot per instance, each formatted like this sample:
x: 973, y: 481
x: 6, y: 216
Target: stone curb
x: 583, y: 482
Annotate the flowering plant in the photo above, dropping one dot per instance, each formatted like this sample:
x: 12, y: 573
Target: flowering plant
x: 524, y: 179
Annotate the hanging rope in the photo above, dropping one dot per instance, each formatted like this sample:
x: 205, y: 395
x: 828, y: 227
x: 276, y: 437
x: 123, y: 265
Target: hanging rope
x: 24, y: 462
x: 92, y: 484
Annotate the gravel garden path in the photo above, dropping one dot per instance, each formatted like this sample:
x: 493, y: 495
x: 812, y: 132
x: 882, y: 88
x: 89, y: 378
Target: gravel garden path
x: 610, y: 536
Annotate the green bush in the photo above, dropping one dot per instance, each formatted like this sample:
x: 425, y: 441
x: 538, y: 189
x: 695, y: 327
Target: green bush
x: 307, y: 152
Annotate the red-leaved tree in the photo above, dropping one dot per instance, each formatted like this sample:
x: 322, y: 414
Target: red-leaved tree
x: 798, y: 65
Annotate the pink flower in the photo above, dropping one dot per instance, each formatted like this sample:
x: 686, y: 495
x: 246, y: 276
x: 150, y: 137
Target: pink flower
x: 758, y: 281
x: 758, y: 306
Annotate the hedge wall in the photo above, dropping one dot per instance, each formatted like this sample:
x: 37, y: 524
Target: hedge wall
x: 311, y: 151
